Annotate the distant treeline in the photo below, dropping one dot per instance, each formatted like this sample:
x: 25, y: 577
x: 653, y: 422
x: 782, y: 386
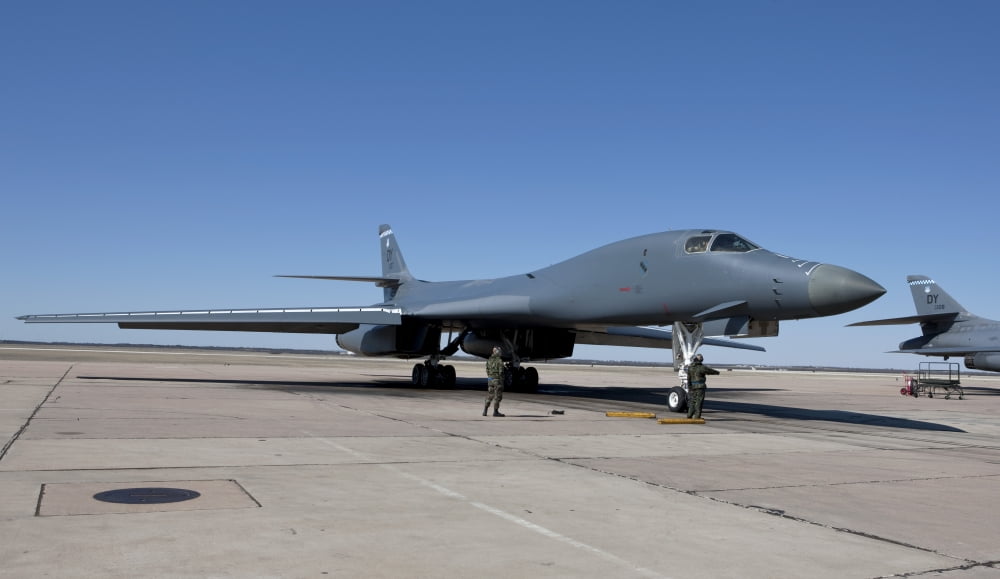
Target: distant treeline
x: 573, y: 361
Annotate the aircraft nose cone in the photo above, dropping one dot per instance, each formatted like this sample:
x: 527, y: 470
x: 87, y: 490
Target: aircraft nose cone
x: 835, y: 290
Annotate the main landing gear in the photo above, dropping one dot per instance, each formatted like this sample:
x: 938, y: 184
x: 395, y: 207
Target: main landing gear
x: 432, y: 372
x: 517, y: 377
x: 687, y: 339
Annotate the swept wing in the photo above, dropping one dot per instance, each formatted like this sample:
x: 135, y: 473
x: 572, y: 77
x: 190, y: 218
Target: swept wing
x: 288, y: 320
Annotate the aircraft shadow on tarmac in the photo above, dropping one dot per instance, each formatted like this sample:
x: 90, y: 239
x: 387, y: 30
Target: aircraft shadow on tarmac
x: 981, y: 391
x: 842, y: 416
x: 616, y: 393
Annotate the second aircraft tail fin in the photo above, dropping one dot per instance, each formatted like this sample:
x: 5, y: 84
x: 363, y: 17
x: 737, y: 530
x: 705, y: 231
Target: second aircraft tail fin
x: 930, y: 299
x: 936, y: 309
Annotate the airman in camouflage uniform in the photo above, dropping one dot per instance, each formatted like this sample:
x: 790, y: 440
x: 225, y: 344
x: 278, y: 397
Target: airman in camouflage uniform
x: 696, y: 385
x: 494, y: 373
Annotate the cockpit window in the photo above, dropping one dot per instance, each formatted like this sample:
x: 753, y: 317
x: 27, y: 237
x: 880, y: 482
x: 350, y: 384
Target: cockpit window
x: 732, y: 243
x: 697, y: 244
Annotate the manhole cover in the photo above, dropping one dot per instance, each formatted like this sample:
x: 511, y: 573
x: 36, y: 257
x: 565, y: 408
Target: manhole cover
x: 146, y: 495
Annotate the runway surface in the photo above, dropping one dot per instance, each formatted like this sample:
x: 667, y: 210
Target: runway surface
x: 330, y: 466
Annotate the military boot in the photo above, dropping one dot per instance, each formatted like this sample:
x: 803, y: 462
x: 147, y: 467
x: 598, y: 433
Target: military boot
x: 496, y: 412
x: 486, y: 408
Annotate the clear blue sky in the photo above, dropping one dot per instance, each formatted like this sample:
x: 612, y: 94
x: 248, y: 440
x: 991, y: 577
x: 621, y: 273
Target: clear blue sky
x: 166, y: 155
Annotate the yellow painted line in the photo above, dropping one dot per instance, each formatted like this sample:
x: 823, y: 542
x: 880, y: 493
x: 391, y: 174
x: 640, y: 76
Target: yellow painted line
x: 615, y: 414
x: 681, y: 421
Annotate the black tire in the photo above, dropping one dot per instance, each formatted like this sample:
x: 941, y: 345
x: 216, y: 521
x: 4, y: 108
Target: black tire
x: 677, y: 399
x: 530, y: 379
x: 417, y: 371
x: 425, y: 376
x: 448, y: 376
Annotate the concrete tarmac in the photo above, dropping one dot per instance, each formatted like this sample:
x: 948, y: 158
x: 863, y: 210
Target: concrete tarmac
x: 330, y: 466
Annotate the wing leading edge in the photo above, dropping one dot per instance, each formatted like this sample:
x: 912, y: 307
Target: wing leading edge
x: 285, y: 320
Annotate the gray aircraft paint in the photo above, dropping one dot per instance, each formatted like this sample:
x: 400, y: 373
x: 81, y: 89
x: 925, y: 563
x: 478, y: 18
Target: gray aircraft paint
x: 947, y: 328
x: 606, y: 296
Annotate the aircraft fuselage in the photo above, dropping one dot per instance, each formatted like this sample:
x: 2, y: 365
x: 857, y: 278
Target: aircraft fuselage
x: 650, y: 280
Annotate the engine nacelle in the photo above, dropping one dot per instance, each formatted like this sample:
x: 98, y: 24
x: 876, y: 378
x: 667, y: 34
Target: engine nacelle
x: 989, y: 361
x: 405, y: 341
x: 480, y: 346
x: 539, y: 344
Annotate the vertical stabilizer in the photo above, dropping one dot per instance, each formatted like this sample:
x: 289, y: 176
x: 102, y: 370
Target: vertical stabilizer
x: 929, y: 298
x: 393, y: 264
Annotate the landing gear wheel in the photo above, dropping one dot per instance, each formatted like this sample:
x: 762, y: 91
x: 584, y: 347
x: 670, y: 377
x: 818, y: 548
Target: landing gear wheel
x: 677, y: 399
x: 520, y: 379
x: 421, y: 375
x: 448, y: 376
x: 530, y: 379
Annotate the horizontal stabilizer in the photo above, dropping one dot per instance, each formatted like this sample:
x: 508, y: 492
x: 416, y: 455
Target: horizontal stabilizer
x: 285, y: 320
x: 946, y: 351
x: 906, y: 320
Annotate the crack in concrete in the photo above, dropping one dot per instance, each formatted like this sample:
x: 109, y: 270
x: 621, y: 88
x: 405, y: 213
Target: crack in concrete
x: 967, y: 567
x: 968, y: 563
x: 849, y: 483
x: 20, y: 431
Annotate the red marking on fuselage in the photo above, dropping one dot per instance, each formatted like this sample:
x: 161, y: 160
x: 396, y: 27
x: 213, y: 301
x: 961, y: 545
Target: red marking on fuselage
x: 624, y: 289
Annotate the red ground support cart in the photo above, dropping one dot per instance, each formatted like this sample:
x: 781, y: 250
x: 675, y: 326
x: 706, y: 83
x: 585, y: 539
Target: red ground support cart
x: 933, y: 377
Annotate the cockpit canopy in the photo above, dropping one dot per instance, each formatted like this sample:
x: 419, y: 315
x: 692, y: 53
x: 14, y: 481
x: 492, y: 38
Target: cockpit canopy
x: 718, y: 241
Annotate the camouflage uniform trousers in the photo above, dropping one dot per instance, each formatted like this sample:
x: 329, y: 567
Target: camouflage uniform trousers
x: 696, y: 397
x: 494, y: 392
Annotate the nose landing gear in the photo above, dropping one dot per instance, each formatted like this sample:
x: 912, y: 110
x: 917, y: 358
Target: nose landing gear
x: 686, y: 340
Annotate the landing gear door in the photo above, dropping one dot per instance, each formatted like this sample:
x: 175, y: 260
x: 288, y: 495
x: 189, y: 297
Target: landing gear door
x: 678, y: 358
x: 686, y: 341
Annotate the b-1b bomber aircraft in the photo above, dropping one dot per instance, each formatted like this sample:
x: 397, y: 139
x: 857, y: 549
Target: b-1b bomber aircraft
x: 703, y: 282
